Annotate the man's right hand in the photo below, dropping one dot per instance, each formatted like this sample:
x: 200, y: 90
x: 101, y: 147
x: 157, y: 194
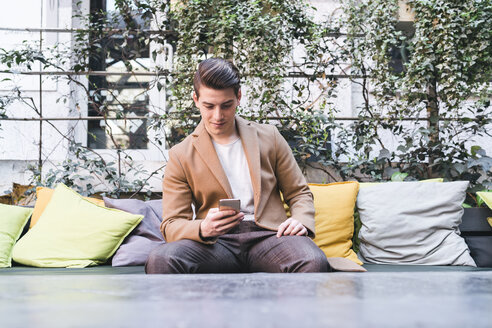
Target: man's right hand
x: 217, y: 222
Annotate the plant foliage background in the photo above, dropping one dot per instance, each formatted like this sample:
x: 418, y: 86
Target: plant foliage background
x: 425, y: 84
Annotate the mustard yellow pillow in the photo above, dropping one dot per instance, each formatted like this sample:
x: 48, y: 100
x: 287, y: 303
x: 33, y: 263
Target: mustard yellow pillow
x: 43, y: 197
x: 334, y: 205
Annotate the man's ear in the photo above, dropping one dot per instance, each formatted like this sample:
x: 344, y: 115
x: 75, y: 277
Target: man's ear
x: 195, y: 98
x: 239, y: 96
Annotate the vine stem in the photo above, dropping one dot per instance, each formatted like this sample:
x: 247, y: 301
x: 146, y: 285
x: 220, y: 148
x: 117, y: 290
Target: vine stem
x: 40, y: 158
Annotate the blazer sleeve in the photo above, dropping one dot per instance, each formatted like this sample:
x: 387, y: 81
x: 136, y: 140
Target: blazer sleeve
x: 177, y: 222
x: 293, y: 185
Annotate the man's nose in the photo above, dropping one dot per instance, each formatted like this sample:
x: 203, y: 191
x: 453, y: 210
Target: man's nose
x: 217, y: 113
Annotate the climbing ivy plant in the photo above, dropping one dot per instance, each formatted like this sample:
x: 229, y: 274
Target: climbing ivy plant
x: 424, y: 86
x: 436, y: 106
x: 259, y: 36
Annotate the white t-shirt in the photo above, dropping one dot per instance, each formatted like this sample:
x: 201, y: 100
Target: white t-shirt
x: 236, y: 168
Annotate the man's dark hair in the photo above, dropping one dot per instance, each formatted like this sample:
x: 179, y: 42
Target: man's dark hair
x: 217, y: 73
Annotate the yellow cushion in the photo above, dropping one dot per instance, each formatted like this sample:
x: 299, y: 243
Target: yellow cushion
x: 433, y: 180
x: 74, y: 232
x: 334, y: 205
x: 43, y: 197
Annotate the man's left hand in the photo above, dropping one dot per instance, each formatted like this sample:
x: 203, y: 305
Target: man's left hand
x: 291, y: 227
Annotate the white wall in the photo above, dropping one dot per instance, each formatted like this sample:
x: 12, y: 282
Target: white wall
x: 19, y: 141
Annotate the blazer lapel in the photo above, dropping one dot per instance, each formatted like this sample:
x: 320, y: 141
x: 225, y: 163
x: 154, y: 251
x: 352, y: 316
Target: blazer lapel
x: 203, y: 145
x: 249, y: 139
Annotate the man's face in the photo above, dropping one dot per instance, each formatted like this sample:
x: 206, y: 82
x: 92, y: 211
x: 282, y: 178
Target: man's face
x: 217, y: 108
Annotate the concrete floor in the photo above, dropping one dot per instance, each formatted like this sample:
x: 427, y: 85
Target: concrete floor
x: 371, y: 299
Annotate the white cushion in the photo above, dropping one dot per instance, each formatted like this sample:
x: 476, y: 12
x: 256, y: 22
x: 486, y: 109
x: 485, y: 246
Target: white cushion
x: 413, y: 223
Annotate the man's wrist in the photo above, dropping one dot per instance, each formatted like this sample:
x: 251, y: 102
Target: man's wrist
x: 201, y: 235
x: 200, y: 231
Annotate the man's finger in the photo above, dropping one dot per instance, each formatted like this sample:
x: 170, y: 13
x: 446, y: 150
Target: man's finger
x: 296, y: 229
x: 224, y: 214
x: 288, y: 230
x: 303, y: 231
x: 281, y: 228
x: 230, y: 219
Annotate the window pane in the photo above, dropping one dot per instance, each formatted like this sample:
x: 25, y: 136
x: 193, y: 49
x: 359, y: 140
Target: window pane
x: 118, y: 95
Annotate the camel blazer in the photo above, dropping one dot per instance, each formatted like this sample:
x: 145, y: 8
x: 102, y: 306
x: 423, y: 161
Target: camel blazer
x: 194, y: 175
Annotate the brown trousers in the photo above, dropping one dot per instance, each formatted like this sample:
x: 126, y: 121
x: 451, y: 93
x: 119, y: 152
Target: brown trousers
x: 245, y: 248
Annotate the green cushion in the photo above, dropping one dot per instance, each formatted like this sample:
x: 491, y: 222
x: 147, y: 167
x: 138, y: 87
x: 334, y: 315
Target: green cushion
x: 73, y: 232
x: 12, y: 221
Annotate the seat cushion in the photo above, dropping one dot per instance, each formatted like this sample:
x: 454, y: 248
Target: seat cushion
x: 105, y: 269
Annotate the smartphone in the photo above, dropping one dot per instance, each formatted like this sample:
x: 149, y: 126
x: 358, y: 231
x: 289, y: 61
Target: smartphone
x: 229, y: 204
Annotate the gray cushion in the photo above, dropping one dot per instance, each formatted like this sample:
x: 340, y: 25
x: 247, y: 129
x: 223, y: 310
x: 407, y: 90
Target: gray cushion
x: 145, y: 237
x: 480, y: 249
x: 477, y: 233
x: 413, y: 223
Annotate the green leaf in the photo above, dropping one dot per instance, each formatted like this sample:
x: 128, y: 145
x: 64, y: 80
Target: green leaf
x: 398, y: 176
x: 480, y: 201
x: 474, y: 150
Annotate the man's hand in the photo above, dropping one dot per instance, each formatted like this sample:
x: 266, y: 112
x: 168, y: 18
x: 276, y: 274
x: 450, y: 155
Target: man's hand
x: 217, y: 222
x: 291, y: 227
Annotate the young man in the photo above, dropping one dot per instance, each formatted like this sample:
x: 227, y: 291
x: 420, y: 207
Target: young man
x: 228, y: 157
